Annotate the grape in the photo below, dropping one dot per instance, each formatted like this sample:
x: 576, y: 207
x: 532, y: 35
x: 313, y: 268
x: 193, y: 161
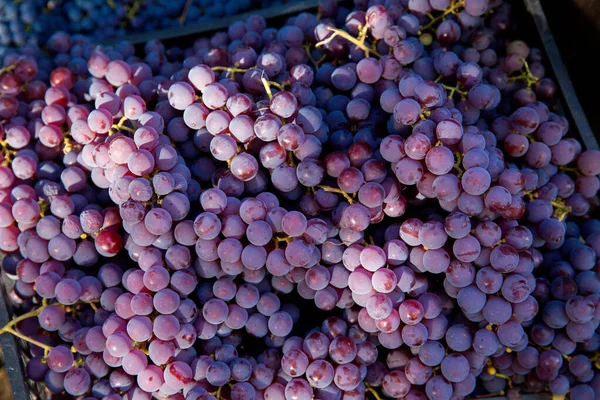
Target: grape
x: 320, y: 374
x: 515, y: 288
x: 177, y: 374
x: 588, y: 163
x: 395, y: 384
x: 432, y: 235
x: 68, y: 291
x: 201, y: 76
x: 150, y: 379
x: 471, y: 299
x: 60, y: 359
x: 280, y: 323
x: 415, y: 335
x: 496, y: 310
x: 458, y: 338
x: 476, y: 181
x: 298, y: 388
x: 439, y: 160
x: 261, y: 165
x: 77, y: 381
x: 118, y: 344
x: 510, y: 334
x: 215, y: 311
x: 134, y: 362
x: 347, y: 377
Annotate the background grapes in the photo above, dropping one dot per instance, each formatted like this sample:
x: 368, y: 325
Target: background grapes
x: 371, y: 202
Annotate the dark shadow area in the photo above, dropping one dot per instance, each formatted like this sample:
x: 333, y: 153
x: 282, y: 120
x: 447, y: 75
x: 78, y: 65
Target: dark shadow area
x: 576, y: 28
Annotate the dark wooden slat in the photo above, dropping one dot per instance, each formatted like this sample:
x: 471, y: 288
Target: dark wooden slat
x: 562, y: 76
x: 12, y: 352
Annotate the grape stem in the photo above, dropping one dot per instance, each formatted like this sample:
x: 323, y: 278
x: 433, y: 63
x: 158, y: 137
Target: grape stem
x: 278, y: 240
x: 217, y: 393
x: 562, y: 210
x: 531, y: 194
x: 286, y: 239
x: 184, y: 13
x: 69, y: 144
x: 453, y: 9
x: 267, y: 87
x: 27, y: 339
x: 362, y: 33
x: 43, y: 207
x: 457, y: 164
x: 372, y: 391
x: 525, y: 75
x: 280, y: 87
x: 134, y: 9
x: 6, y: 152
x: 530, y: 138
x: 502, y: 376
x: 290, y: 158
x: 570, y: 169
x: 492, y: 371
x: 314, y: 62
x: 8, y: 68
x: 339, y: 191
x: 121, y: 125
x: 595, y: 360
x: 8, y: 328
x: 558, y: 203
x: 368, y: 241
x: 10, y: 324
x: 231, y: 70
x: 455, y: 89
x: 358, y: 42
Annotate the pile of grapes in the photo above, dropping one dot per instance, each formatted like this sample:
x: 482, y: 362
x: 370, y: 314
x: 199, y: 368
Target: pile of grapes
x: 30, y: 21
x: 367, y: 203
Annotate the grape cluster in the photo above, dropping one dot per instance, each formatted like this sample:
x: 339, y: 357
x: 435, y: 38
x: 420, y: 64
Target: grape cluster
x: 376, y: 202
x: 29, y: 21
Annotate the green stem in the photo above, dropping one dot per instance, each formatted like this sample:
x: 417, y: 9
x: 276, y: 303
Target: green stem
x: 233, y: 70
x: 28, y: 339
x: 8, y: 68
x: 338, y: 191
x: 451, y: 10
x: 30, y: 314
x: 370, y: 389
x: 351, y: 39
x: 186, y: 8
x: 267, y: 86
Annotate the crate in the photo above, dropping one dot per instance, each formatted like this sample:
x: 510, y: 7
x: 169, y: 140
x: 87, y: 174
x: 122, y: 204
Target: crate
x: 534, y: 25
x: 12, y: 351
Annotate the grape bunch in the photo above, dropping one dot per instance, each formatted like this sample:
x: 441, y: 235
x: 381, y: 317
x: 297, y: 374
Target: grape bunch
x: 30, y: 21
x: 371, y: 202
